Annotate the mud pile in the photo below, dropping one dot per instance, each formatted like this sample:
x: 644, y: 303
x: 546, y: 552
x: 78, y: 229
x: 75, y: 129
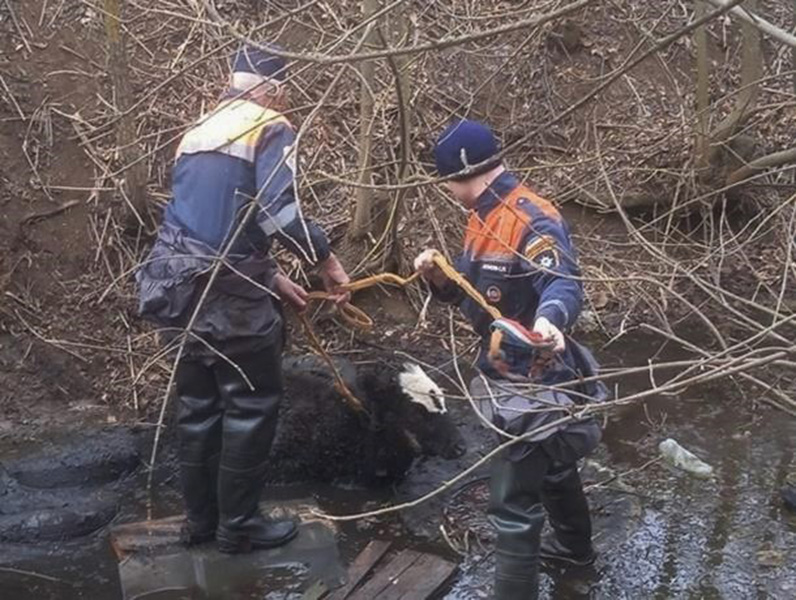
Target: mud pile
x: 67, y: 490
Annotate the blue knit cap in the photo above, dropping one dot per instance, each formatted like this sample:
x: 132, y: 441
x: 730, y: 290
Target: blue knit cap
x: 249, y: 59
x: 466, y: 143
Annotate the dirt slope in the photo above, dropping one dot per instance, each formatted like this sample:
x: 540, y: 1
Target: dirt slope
x: 65, y: 355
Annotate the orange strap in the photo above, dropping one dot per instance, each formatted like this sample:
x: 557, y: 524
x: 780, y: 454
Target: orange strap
x: 353, y: 316
x: 495, y: 353
x: 465, y: 285
x: 353, y: 402
x: 359, y: 319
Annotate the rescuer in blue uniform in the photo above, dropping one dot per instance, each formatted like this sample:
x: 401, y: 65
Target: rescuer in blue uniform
x: 518, y: 254
x: 233, y: 193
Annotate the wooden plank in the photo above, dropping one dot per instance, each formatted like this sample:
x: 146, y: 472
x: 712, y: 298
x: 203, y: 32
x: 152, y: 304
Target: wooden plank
x: 385, y: 578
x: 212, y: 574
x: 128, y: 538
x: 145, y: 535
x: 315, y: 592
x: 434, y: 580
x: 425, y: 577
x: 361, y: 568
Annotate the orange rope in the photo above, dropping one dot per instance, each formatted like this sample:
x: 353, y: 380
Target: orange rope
x: 468, y: 288
x: 349, y: 397
x: 359, y: 319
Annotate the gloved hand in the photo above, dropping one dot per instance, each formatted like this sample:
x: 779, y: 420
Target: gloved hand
x: 333, y: 276
x: 550, y: 332
x: 290, y: 292
x: 428, y: 269
x: 517, y: 353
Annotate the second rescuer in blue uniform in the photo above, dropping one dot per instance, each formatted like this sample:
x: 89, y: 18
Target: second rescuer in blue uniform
x: 518, y: 254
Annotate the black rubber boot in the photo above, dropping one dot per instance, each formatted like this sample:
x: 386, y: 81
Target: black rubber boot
x: 250, y: 417
x: 199, y: 485
x: 199, y: 424
x: 517, y: 514
x: 568, y: 511
x: 243, y: 528
x: 257, y: 536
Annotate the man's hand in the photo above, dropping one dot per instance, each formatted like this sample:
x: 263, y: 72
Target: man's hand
x: 428, y: 269
x: 550, y: 332
x: 333, y: 276
x: 290, y: 292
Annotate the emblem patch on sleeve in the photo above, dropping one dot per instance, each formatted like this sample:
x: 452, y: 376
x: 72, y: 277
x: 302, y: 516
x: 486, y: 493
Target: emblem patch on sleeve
x: 542, y: 251
x: 493, y: 294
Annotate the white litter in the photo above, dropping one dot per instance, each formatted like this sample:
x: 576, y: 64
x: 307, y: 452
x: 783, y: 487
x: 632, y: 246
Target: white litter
x: 681, y: 458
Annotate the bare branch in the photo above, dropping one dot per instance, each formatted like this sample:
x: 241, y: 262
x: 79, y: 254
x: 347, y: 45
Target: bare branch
x: 770, y: 161
x: 322, y: 59
x: 769, y: 29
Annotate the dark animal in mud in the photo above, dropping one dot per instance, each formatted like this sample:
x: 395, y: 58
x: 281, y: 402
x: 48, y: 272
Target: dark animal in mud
x: 321, y: 439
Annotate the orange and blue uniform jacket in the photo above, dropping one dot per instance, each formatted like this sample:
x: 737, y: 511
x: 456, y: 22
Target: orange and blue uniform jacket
x: 241, y: 153
x: 518, y: 254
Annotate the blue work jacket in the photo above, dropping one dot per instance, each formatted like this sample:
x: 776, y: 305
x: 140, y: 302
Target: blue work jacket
x: 242, y: 153
x: 519, y: 255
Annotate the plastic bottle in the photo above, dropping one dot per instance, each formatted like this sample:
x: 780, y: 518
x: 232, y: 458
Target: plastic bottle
x: 681, y: 458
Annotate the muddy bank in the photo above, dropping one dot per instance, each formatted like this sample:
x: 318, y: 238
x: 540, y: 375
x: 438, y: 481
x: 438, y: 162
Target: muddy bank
x: 101, y: 456
x: 66, y: 488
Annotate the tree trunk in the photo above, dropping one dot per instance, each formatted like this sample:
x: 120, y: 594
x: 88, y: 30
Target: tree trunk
x: 401, y: 28
x: 134, y: 182
x: 751, y: 72
x: 722, y: 158
x: 702, y: 141
x: 362, y: 223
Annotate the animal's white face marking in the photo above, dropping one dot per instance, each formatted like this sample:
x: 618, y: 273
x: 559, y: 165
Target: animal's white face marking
x: 421, y: 389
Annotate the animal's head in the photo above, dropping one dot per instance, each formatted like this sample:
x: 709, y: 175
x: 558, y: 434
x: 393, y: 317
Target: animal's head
x: 409, y: 403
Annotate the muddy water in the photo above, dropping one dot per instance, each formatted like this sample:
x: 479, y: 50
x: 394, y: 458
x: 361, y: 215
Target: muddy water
x: 729, y: 537
x: 660, y: 533
x: 664, y: 534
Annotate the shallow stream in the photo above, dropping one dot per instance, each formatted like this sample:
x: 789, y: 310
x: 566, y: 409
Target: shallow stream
x: 660, y: 533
